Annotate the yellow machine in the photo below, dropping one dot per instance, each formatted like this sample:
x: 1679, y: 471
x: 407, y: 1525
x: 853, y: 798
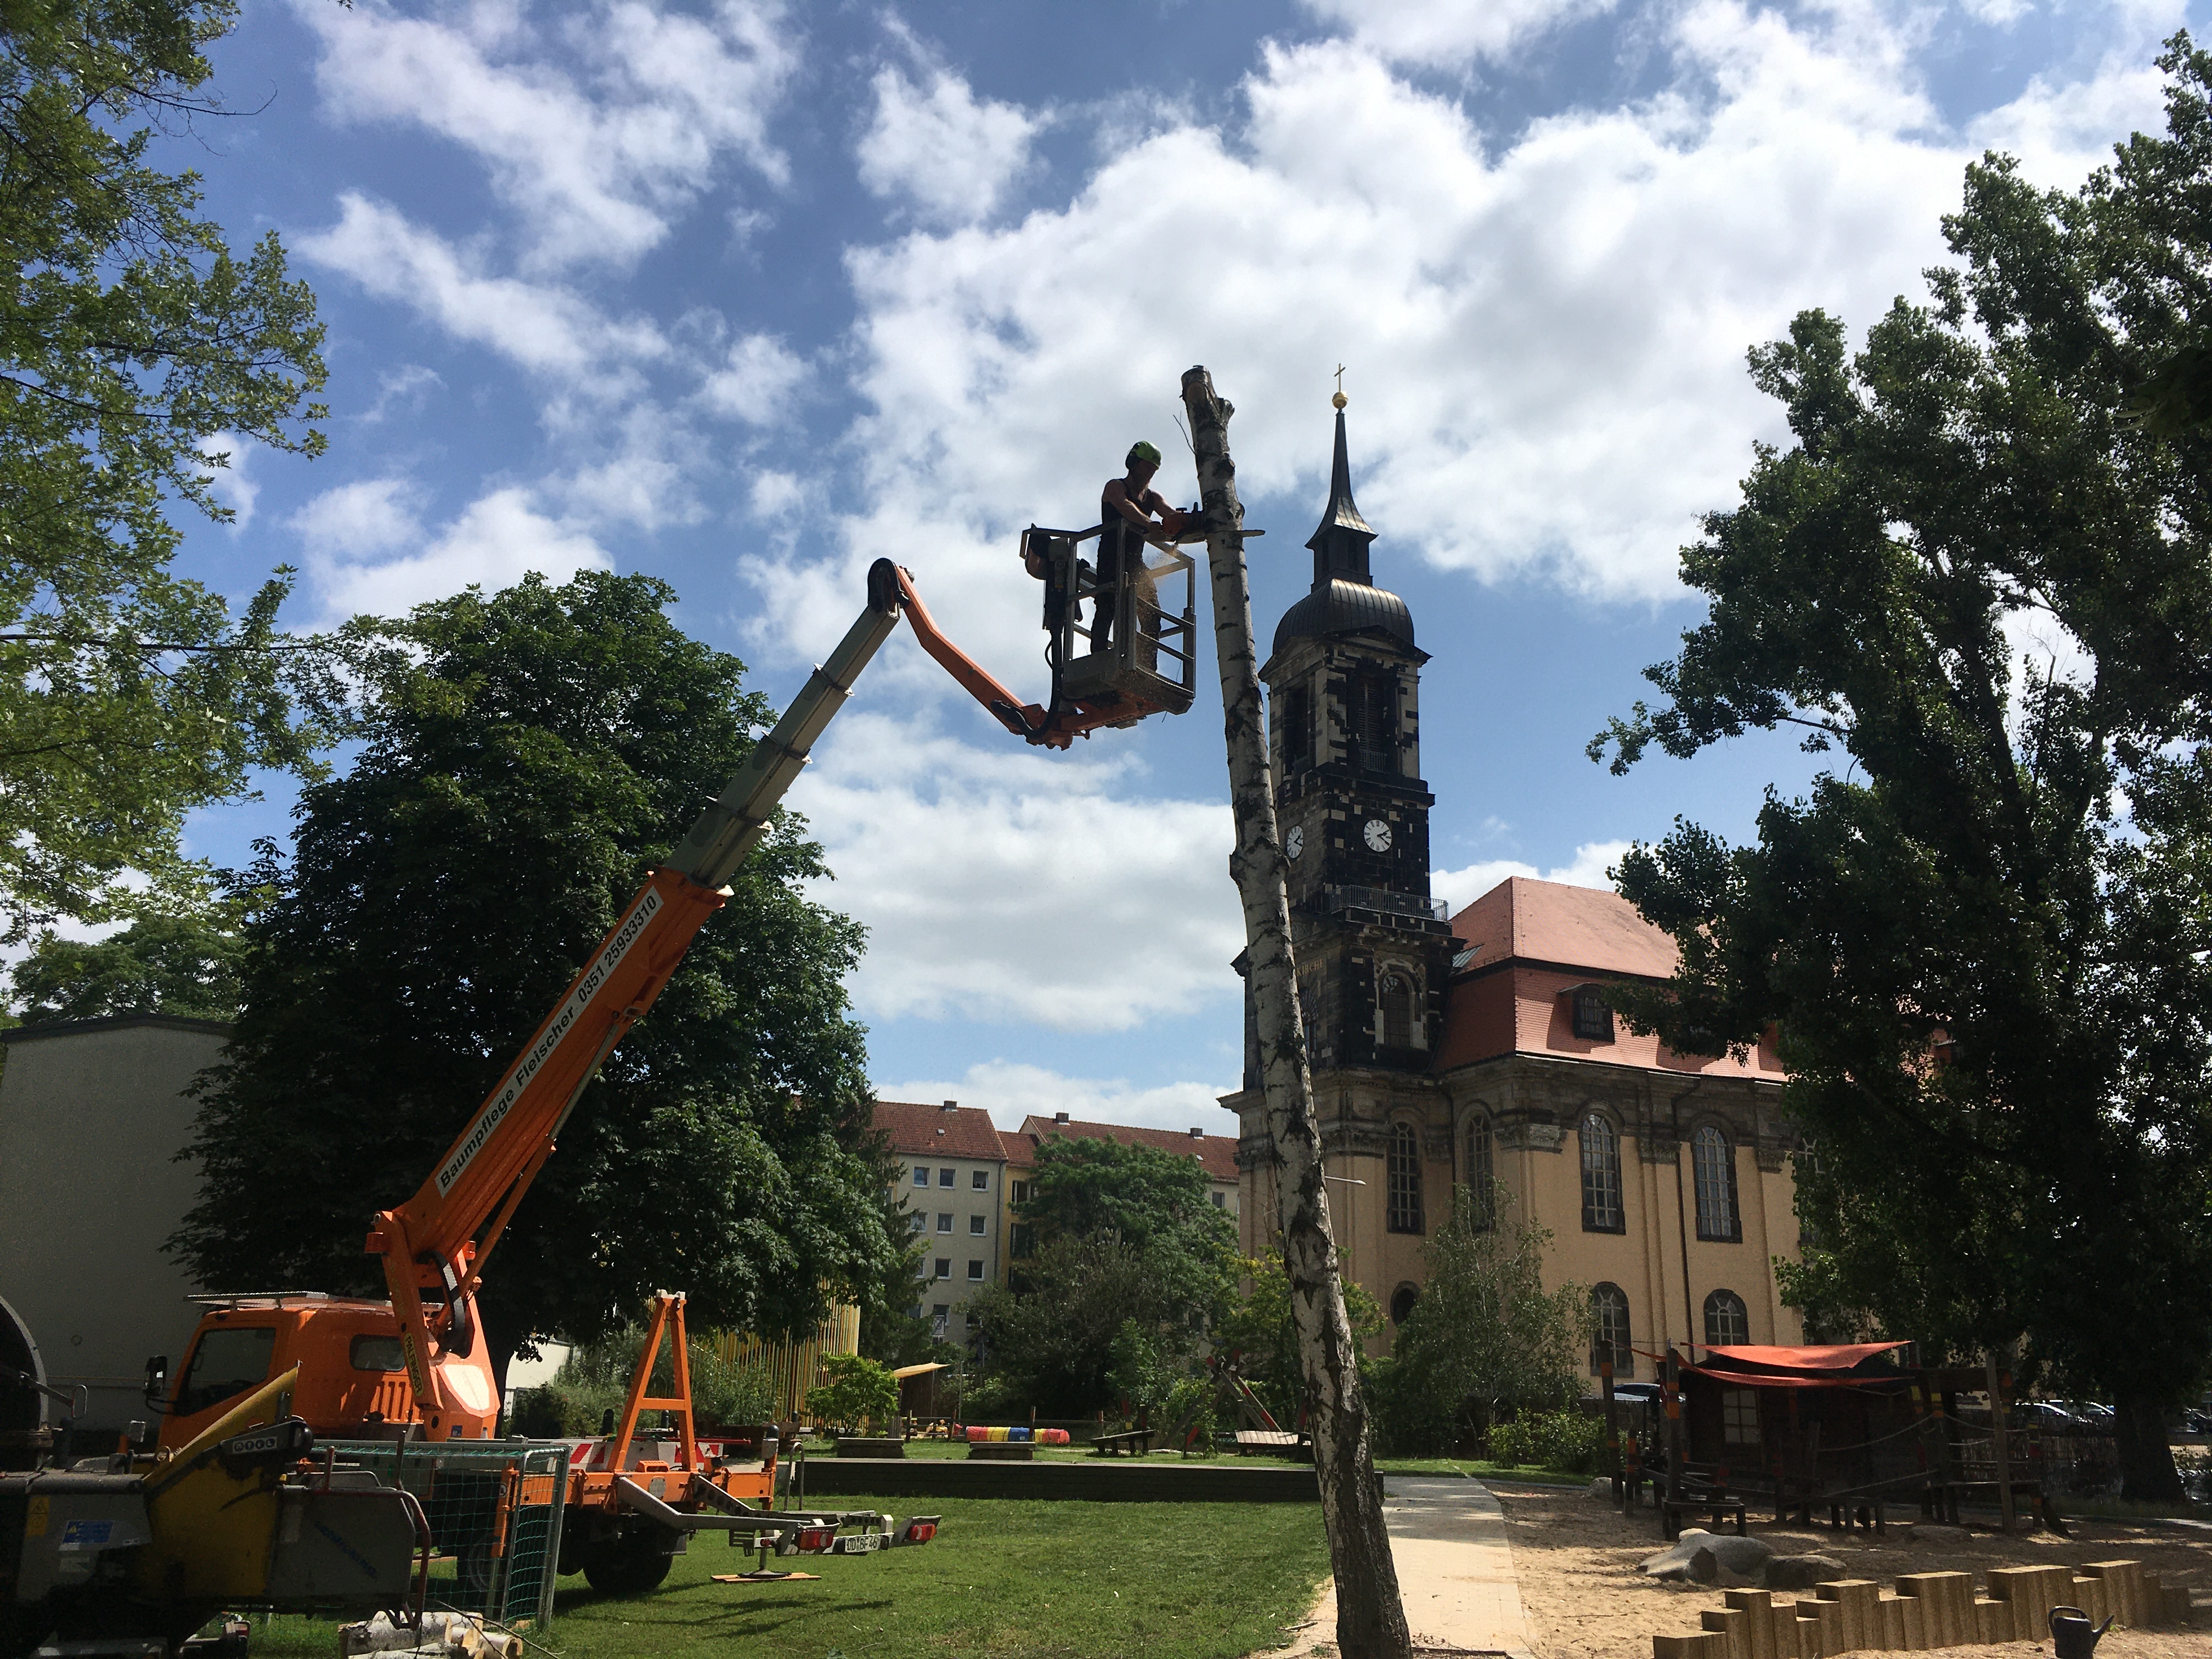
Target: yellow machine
x: 129, y: 1555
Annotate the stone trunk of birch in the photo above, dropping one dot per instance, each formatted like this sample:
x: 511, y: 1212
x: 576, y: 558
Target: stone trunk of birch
x: 1370, y: 1620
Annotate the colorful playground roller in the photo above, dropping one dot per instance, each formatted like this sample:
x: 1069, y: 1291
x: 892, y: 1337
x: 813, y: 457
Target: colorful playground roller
x: 977, y: 1432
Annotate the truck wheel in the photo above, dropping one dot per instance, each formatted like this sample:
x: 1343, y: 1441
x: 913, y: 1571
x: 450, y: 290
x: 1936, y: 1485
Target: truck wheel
x: 627, y: 1565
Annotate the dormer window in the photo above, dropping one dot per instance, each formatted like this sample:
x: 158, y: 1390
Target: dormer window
x: 1592, y: 1019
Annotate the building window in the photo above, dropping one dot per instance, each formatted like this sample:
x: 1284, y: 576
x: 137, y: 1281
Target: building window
x: 1398, y: 998
x: 1021, y: 1242
x: 1592, y: 1019
x: 1726, y: 1324
x: 948, y: 1177
x: 1401, y: 1302
x: 1609, y: 1331
x: 975, y: 1226
x: 1298, y: 729
x: 974, y: 1273
x: 1481, y: 1170
x: 1601, y: 1176
x: 1739, y: 1417
x: 1404, y: 1179
x: 1220, y: 1199
x: 939, y: 1317
x: 1373, y: 715
x: 979, y: 1180
x: 1021, y: 1192
x: 944, y: 1268
x: 1712, y: 1162
x: 945, y: 1221
x: 918, y: 1222
x: 920, y: 1176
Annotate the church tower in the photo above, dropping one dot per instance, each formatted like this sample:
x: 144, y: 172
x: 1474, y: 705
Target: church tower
x: 1344, y: 685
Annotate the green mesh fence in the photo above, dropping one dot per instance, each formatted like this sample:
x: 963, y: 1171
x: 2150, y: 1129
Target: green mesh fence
x: 495, y: 1510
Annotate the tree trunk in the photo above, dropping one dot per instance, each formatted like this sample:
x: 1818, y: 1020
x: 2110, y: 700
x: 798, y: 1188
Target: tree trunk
x: 2147, y: 1472
x: 1371, y: 1623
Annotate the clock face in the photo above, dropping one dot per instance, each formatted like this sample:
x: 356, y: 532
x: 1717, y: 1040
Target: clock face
x: 1378, y: 835
x: 1295, y: 842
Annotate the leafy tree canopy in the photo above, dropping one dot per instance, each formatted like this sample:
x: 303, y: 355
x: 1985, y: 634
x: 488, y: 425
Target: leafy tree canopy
x: 137, y: 351
x: 1976, y: 573
x: 1486, y: 1338
x: 1084, y: 1189
x: 529, y: 756
x: 187, y: 964
x: 1260, y: 1337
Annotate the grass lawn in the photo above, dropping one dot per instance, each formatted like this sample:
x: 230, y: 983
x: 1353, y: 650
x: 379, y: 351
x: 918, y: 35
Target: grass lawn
x: 958, y: 1449
x: 1015, y: 1580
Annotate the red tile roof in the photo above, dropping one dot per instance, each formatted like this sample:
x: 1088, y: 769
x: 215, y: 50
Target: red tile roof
x: 1576, y: 927
x: 1217, y: 1153
x: 939, y: 1131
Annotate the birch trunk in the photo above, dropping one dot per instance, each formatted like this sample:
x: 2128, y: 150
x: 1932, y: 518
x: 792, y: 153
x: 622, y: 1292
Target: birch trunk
x: 1370, y: 1622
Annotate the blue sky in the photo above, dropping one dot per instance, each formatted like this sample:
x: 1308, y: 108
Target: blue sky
x: 748, y: 294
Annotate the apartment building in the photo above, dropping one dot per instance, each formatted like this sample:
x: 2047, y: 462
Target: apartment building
x: 952, y: 1183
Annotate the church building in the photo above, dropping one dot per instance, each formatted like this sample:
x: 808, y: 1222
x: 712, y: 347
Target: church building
x: 1451, y: 1050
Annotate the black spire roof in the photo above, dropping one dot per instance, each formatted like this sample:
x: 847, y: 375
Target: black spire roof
x: 1344, y: 598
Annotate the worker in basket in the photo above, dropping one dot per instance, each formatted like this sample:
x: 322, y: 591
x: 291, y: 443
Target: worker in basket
x: 1133, y: 513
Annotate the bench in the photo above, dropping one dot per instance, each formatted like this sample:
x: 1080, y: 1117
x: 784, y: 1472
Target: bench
x: 1705, y: 1492
x: 1136, y: 1442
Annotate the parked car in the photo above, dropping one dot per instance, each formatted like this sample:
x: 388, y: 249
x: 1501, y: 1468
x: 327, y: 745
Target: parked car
x: 2048, y: 1416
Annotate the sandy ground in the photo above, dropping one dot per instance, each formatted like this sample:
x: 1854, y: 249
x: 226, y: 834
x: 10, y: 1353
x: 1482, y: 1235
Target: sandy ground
x: 1577, y: 1560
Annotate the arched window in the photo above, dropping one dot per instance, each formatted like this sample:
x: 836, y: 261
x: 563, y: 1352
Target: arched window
x: 1298, y: 729
x: 1397, y: 1003
x: 1481, y: 1170
x: 1404, y: 1179
x: 1601, y: 1176
x: 1726, y: 1324
x: 1373, y: 713
x: 1401, y: 1302
x: 1609, y: 1331
x: 1712, y: 1162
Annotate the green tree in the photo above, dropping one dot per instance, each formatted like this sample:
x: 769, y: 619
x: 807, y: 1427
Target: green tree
x: 186, y: 964
x: 1486, y: 1340
x: 136, y: 352
x: 1983, y: 946
x: 1259, y: 1337
x: 1084, y: 1189
x: 854, y: 1395
x: 529, y: 756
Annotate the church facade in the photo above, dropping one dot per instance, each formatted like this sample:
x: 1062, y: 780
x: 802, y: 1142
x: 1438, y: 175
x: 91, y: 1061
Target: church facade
x: 1452, y: 1050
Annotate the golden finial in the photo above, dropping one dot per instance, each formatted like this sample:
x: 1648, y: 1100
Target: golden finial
x: 1340, y: 400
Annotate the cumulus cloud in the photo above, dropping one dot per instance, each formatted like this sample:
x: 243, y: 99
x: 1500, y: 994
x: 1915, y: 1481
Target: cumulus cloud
x: 226, y: 475
x: 1011, y: 1092
x: 1011, y: 885
x: 496, y: 541
x: 756, y: 381
x: 939, y: 150
x: 546, y: 328
x: 360, y: 519
x: 598, y: 162
x: 1446, y: 32
x: 1461, y: 888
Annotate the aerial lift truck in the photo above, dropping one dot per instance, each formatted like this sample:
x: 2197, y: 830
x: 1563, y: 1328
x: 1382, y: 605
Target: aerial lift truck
x: 417, y: 1359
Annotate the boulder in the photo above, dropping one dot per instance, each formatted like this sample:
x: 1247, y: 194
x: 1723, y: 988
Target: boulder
x: 1602, y: 1488
x: 1798, y: 1572
x: 1928, y: 1532
x: 1672, y: 1565
x: 1730, y: 1562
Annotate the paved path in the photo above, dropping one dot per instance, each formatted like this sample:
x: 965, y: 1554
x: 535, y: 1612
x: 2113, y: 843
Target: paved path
x: 1455, y: 1569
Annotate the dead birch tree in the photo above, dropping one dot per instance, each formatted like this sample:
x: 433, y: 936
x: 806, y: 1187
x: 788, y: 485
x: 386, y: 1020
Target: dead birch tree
x: 1370, y: 1622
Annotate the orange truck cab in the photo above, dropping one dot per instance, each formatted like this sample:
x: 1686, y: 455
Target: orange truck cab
x: 353, y: 1369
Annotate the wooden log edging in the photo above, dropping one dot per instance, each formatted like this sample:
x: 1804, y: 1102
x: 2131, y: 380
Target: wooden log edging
x: 1926, y: 1610
x: 1104, y: 1481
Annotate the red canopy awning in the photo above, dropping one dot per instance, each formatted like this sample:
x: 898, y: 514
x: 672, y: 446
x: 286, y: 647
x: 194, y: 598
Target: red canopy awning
x: 1782, y: 1380
x: 1835, y: 1357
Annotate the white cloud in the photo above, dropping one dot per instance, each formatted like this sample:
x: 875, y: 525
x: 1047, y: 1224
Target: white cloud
x: 1010, y: 885
x: 359, y: 520
x: 599, y: 163
x: 757, y: 380
x: 939, y: 150
x: 1461, y: 888
x: 496, y: 541
x: 1547, y: 338
x: 1444, y: 32
x: 646, y: 477
x: 404, y: 390
x: 546, y: 328
x: 227, y: 478
x: 1011, y: 1091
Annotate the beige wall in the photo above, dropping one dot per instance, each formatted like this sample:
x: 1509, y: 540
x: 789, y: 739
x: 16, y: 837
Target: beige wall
x: 964, y: 1203
x: 91, y: 1120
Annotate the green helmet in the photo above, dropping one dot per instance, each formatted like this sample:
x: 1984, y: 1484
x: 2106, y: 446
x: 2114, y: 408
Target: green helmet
x: 1141, y: 451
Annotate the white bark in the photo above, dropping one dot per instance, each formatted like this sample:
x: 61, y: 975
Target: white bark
x: 1370, y: 1622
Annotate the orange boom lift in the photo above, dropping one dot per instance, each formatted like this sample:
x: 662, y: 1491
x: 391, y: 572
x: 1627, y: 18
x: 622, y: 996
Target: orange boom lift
x: 417, y: 1359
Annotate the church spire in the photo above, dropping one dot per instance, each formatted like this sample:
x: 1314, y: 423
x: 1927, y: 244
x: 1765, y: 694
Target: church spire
x: 1340, y: 545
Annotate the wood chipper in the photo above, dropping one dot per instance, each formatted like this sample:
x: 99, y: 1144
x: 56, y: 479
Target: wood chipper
x: 415, y: 1365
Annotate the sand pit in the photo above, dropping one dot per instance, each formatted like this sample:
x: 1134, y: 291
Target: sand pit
x: 1576, y: 1558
